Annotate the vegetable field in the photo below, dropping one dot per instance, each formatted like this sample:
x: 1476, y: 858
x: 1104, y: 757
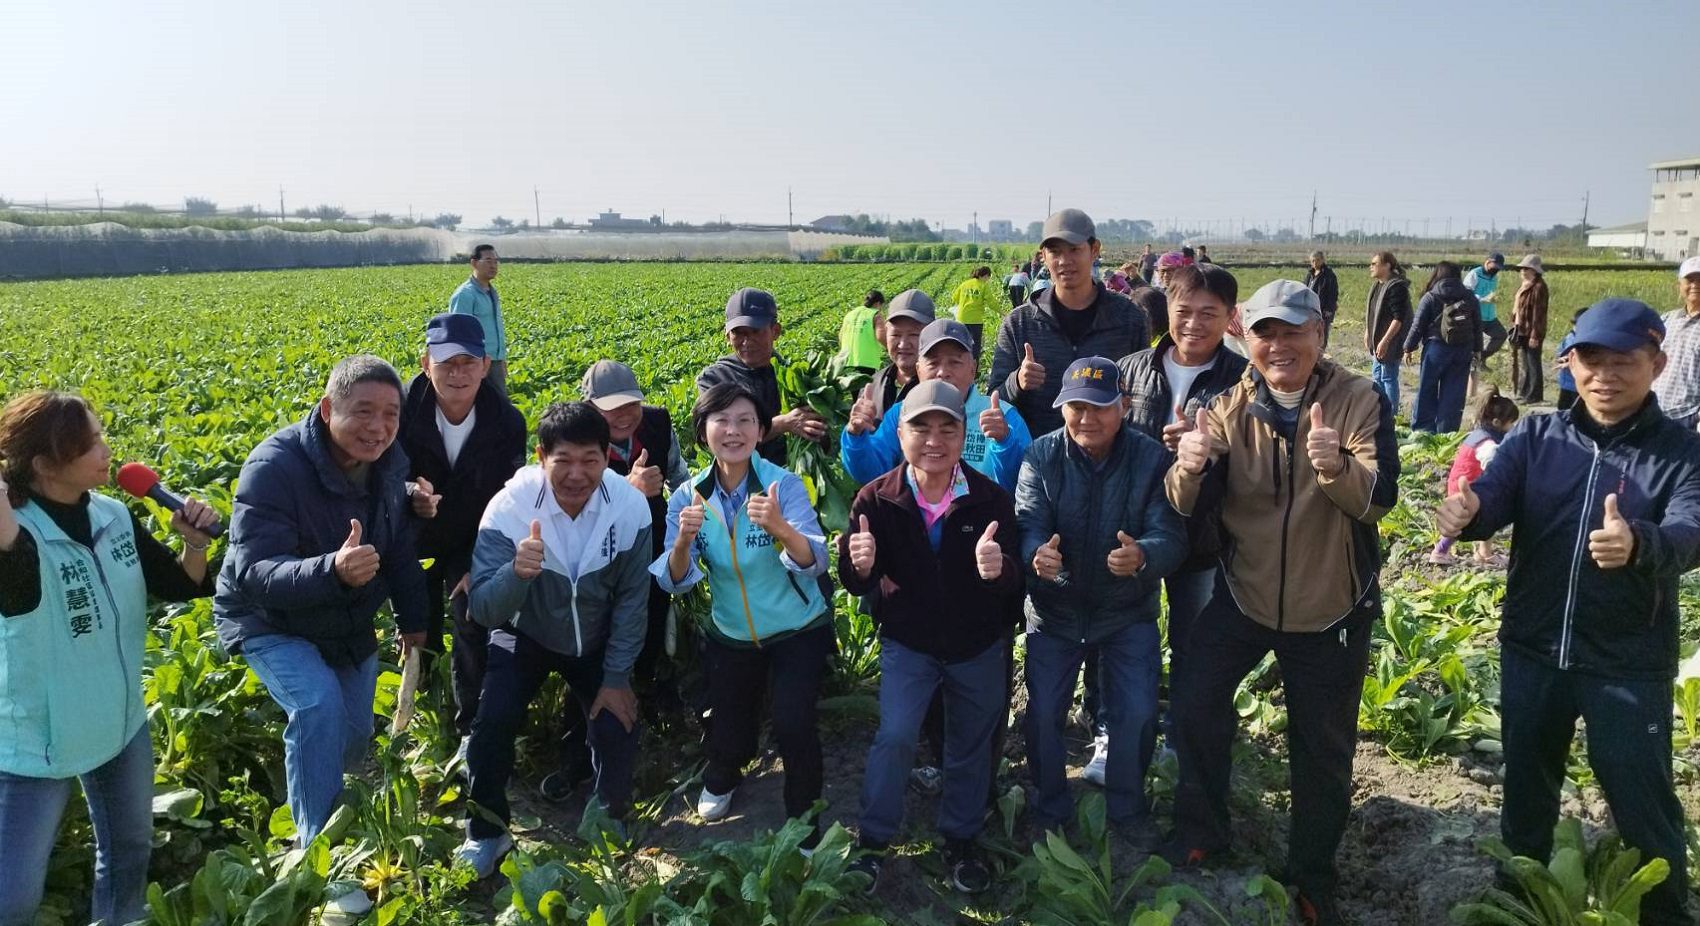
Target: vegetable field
x: 191, y: 372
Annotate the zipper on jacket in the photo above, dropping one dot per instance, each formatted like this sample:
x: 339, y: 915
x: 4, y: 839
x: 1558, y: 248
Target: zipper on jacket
x: 792, y: 578
x: 749, y: 620
x: 117, y: 637
x: 578, y: 635
x: 1281, y: 446
x: 1576, y: 559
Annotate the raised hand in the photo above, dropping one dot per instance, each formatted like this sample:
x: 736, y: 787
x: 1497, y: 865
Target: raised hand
x: 528, y: 554
x: 988, y: 555
x: 1614, y: 543
x: 992, y: 422
x: 424, y: 498
x: 190, y: 522
x: 1031, y: 374
x: 1172, y: 432
x: 1047, y: 560
x: 690, y: 520
x: 1458, y: 510
x: 643, y: 477
x: 1195, y: 449
x: 356, y: 563
x: 765, y: 511
x: 1323, y: 445
x: 862, y: 548
x: 1127, y: 558
x: 864, y: 415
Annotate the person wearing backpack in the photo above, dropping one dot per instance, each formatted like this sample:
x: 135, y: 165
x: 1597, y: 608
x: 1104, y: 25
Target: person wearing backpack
x: 1448, y: 328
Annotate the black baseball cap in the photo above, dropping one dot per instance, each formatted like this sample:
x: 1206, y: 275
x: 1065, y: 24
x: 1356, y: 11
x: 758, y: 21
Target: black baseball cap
x: 451, y: 334
x: 751, y: 308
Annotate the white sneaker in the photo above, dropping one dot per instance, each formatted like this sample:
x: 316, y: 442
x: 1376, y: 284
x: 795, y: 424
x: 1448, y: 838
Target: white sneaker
x: 714, y: 807
x: 1094, y: 770
x: 459, y: 761
x: 353, y: 903
x: 484, y: 855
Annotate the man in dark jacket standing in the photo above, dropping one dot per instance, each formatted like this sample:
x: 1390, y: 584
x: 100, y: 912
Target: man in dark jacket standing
x: 1604, y: 502
x: 1321, y: 280
x: 752, y: 327
x: 1073, y: 318
x: 320, y: 537
x: 1300, y: 461
x: 933, y: 547
x: 463, y: 440
x: 1099, y: 537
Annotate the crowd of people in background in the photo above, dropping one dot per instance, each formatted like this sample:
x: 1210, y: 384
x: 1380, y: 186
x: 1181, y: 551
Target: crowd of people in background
x: 1146, y: 446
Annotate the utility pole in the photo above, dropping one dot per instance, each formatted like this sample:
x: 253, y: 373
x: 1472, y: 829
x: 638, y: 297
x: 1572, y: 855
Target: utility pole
x: 1313, y: 215
x: 100, y: 204
x: 537, y: 205
x: 1585, y: 195
x: 790, y: 215
x: 976, y: 228
x: 1047, y: 204
x: 280, y: 212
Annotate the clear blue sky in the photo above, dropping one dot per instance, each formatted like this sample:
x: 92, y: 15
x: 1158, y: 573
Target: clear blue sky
x: 1213, y: 110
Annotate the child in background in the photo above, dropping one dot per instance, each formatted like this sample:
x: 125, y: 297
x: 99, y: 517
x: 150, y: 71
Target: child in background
x: 1496, y: 417
x: 1566, y: 381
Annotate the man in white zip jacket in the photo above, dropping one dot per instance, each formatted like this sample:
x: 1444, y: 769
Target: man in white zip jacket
x: 559, y: 573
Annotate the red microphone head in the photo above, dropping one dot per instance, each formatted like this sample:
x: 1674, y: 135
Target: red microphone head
x: 138, y: 479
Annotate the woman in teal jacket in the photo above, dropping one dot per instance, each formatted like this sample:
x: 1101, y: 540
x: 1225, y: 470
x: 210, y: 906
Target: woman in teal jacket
x: 76, y: 570
x: 751, y: 526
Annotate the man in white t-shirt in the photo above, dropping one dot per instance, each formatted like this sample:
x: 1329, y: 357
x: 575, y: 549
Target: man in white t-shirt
x: 464, y: 439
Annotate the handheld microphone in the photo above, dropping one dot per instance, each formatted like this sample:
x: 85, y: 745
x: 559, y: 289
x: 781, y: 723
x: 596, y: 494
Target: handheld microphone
x: 140, y: 480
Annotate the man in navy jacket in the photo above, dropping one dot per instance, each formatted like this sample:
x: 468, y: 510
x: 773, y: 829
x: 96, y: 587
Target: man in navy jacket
x: 1604, y: 502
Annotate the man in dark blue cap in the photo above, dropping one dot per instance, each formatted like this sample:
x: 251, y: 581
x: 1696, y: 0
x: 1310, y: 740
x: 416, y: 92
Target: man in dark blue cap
x: 463, y: 439
x: 752, y: 327
x: 1604, y: 502
x: 1097, y: 537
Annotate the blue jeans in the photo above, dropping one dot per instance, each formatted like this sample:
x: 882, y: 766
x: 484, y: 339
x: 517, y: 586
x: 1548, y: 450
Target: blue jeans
x: 1386, y: 378
x: 1629, y: 748
x: 120, y: 799
x: 330, y: 721
x: 1129, y: 665
x: 1188, y: 593
x: 1441, y: 384
x: 973, y: 709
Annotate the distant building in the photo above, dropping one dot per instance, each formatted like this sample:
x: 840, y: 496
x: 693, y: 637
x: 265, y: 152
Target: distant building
x: 1000, y: 230
x: 1631, y: 238
x: 831, y: 223
x: 613, y: 221
x: 1673, y: 222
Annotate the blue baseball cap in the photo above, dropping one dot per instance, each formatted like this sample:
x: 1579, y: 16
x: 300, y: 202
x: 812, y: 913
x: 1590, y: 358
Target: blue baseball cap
x: 451, y: 334
x: 1619, y: 324
x: 1095, y: 380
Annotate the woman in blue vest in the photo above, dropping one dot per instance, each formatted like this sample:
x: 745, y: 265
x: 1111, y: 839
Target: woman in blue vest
x: 76, y: 570
x: 750, y: 525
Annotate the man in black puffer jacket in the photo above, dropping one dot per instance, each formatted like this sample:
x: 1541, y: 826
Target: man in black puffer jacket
x: 1604, y: 503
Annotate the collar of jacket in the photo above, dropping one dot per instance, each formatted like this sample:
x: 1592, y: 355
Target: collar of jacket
x: 420, y: 408
x: 1167, y: 341
x: 316, y: 440
x: 1044, y: 299
x: 893, y: 487
x: 706, y: 484
x: 1638, y: 423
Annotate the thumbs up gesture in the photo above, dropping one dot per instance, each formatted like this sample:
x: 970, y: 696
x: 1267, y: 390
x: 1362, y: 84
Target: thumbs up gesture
x: 528, y: 554
x: 1173, y: 431
x: 992, y: 422
x: 988, y: 555
x: 643, y: 477
x: 1458, y: 510
x: 355, y: 563
x: 864, y: 415
x: 425, y: 498
x: 1031, y: 374
x: 1614, y: 543
x: 862, y: 548
x: 1127, y: 558
x: 690, y: 521
x: 1047, y: 560
x: 1323, y: 445
x: 1194, y: 449
x: 765, y: 511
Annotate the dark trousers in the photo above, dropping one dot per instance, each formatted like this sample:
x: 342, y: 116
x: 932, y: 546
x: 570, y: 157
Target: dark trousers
x: 471, y: 640
x: 575, y: 753
x: 1441, y: 384
x: 1494, y: 334
x: 1323, y: 676
x: 1527, y: 383
x: 1629, y: 748
x: 518, y: 667
x: 738, y: 679
x: 977, y: 330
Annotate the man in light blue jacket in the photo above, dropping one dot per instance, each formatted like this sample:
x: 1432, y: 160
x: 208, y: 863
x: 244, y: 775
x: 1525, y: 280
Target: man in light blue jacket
x: 996, y: 438
x: 478, y: 297
x: 559, y: 574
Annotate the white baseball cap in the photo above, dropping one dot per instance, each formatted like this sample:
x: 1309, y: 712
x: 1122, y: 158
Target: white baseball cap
x: 1689, y: 267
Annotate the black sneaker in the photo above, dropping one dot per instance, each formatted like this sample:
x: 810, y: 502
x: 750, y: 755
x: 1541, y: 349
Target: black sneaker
x: 968, y: 874
x: 869, y: 863
x: 1316, y: 909
x: 560, y: 784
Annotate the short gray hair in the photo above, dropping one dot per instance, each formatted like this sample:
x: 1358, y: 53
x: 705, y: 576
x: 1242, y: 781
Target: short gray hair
x: 1316, y: 255
x: 360, y: 368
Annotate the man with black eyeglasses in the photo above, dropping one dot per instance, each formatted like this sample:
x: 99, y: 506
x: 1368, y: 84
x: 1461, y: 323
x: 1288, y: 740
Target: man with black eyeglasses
x: 477, y: 297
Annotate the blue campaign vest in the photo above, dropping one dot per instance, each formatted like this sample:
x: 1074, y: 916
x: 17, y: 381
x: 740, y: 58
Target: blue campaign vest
x: 754, y: 596
x: 71, y: 670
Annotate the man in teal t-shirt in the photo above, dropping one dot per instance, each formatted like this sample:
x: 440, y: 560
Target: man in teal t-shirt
x: 477, y: 297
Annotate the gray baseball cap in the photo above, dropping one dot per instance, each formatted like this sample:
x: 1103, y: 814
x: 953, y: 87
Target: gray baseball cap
x: 934, y: 395
x: 751, y: 308
x: 912, y: 304
x: 1283, y: 300
x: 1071, y: 225
x: 609, y: 384
x: 945, y: 329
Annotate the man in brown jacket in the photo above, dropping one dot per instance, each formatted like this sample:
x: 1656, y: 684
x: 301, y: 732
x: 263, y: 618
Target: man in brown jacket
x: 1301, y: 462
